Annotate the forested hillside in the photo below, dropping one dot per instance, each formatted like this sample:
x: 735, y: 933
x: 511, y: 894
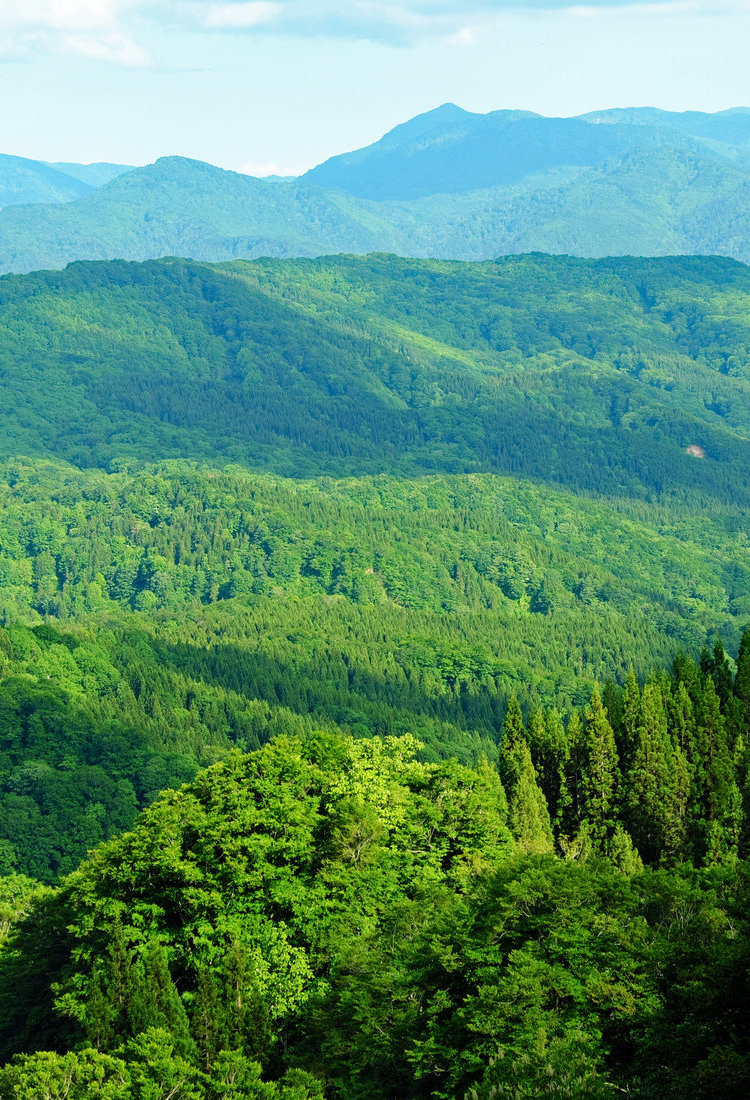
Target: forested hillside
x: 331, y: 917
x: 375, y: 679
x: 594, y: 375
x: 195, y: 612
x: 448, y: 183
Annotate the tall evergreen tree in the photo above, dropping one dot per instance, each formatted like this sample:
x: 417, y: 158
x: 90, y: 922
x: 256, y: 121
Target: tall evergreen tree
x: 719, y: 799
x: 514, y: 735
x: 599, y: 771
x: 528, y: 815
x: 648, y: 794
x: 569, y: 818
x: 721, y: 673
x: 741, y: 689
x: 631, y: 719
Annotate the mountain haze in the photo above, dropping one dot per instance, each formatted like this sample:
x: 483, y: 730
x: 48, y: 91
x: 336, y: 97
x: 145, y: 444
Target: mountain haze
x: 447, y: 184
x: 183, y: 207
x: 452, y: 151
x: 34, y: 181
x: 30, y: 181
x: 95, y: 174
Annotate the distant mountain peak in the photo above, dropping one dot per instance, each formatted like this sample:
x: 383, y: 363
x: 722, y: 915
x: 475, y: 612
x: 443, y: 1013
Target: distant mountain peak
x: 448, y: 183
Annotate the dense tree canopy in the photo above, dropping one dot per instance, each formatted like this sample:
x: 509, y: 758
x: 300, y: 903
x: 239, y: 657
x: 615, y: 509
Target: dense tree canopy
x: 404, y: 775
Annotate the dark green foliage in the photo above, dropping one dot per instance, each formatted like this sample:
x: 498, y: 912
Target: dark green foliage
x: 349, y: 366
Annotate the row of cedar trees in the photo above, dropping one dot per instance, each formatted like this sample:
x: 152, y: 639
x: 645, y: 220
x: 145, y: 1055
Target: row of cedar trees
x: 659, y: 774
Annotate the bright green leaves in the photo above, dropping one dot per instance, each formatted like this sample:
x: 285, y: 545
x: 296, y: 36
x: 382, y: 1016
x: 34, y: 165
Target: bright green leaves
x: 217, y: 920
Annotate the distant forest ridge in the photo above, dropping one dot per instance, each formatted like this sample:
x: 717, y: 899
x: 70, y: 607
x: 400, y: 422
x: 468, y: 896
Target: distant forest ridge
x: 448, y: 183
x: 600, y: 376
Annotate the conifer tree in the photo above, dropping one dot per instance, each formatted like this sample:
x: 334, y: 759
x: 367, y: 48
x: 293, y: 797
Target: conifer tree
x: 742, y: 679
x: 631, y: 719
x: 599, y: 771
x: 621, y: 852
x: 676, y: 829
x: 721, y: 673
x: 528, y: 815
x: 536, y: 735
x: 569, y: 817
x: 554, y: 761
x: 648, y: 783
x: 514, y: 735
x: 718, y: 796
x: 513, y: 727
x: 741, y: 690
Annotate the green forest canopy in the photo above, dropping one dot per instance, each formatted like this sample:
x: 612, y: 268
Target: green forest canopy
x: 330, y: 917
x: 594, y: 375
x: 492, y: 508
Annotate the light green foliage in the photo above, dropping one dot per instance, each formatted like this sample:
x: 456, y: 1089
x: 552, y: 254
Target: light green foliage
x: 88, y: 1075
x: 564, y: 1066
x: 333, y: 917
x: 528, y: 814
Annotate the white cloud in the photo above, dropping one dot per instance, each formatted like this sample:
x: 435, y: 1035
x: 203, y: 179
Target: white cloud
x: 269, y: 168
x: 407, y: 22
x: 60, y: 14
x: 242, y: 16
x: 117, y: 48
x: 107, y: 30
x: 466, y: 36
x: 86, y: 28
x: 659, y: 7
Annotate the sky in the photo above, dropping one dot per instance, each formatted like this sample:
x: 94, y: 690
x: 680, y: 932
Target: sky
x: 276, y: 86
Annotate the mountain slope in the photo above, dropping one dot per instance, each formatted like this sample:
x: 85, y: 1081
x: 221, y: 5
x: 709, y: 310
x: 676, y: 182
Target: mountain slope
x: 448, y: 183
x: 655, y: 202
x: 181, y: 207
x: 453, y: 151
x: 95, y: 174
x: 725, y: 132
x: 31, y: 181
x: 597, y: 375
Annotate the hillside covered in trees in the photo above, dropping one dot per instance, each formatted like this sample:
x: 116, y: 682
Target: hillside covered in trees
x: 156, y: 619
x: 332, y: 917
x: 375, y: 679
x: 594, y: 375
x: 449, y: 183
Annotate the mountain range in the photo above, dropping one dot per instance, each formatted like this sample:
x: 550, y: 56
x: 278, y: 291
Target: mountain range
x: 34, y: 181
x: 366, y: 726
x: 449, y: 184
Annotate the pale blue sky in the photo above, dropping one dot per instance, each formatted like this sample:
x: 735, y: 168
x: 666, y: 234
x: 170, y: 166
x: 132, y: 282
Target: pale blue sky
x: 282, y: 84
